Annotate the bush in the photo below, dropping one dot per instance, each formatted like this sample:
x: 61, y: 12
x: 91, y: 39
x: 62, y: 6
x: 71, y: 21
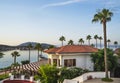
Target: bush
x: 15, y: 64
x: 25, y: 62
x: 107, y: 80
x: 4, y: 76
x: 70, y: 73
x: 36, y: 77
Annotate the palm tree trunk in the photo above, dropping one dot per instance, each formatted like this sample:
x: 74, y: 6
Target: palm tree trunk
x: 14, y: 59
x: 96, y: 43
x: 89, y: 42
x: 38, y: 54
x: 29, y: 55
x: 100, y: 44
x: 62, y: 43
x: 105, y: 49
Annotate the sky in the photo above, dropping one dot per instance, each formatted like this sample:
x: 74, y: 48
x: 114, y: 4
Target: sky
x: 45, y: 21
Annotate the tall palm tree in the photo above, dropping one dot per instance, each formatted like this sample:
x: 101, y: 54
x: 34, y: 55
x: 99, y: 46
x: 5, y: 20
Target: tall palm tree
x: 96, y: 37
x: 62, y: 38
x: 81, y: 41
x: 115, y: 43
x: 108, y: 43
x: 70, y: 42
x: 100, y: 38
x: 29, y: 48
x: 38, y: 47
x: 89, y: 38
x: 15, y: 54
x: 103, y: 17
x: 1, y: 54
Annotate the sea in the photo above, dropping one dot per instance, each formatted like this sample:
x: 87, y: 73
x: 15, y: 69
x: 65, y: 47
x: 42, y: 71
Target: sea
x: 7, y: 59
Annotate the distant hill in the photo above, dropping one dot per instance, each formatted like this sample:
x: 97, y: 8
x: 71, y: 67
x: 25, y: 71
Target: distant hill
x: 22, y: 46
x: 44, y: 45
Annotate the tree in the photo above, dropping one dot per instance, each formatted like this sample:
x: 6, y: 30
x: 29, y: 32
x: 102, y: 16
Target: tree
x: 51, y: 46
x: 39, y: 48
x: 100, y: 38
x: 92, y: 45
x: 29, y: 48
x: 89, y: 38
x: 1, y: 54
x: 108, y: 43
x: 103, y: 17
x: 96, y: 37
x: 48, y: 74
x: 115, y: 43
x: 81, y: 41
x: 15, y: 54
x: 97, y: 59
x: 62, y: 38
x: 70, y: 42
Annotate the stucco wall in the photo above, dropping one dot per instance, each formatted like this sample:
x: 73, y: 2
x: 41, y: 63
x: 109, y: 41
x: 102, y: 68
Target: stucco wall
x: 82, y: 78
x: 82, y: 60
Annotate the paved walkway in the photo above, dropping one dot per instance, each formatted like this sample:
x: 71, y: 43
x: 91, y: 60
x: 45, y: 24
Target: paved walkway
x: 116, y: 80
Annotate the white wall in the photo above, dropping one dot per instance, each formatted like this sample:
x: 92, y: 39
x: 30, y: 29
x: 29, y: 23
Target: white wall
x: 82, y: 60
x: 84, y: 77
x: 70, y: 81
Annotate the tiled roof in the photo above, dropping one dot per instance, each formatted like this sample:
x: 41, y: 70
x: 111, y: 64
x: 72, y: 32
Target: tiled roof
x: 117, y: 51
x: 73, y: 49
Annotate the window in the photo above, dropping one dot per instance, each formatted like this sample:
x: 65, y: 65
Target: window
x: 55, y: 61
x: 69, y: 62
x: 49, y: 61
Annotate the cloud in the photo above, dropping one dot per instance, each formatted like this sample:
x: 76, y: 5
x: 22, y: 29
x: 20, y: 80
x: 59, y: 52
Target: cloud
x: 61, y: 3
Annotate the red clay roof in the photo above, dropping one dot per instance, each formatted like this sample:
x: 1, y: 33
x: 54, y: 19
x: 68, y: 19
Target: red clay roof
x: 117, y: 51
x: 72, y: 49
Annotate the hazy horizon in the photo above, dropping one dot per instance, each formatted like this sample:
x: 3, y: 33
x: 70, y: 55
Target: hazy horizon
x: 45, y: 21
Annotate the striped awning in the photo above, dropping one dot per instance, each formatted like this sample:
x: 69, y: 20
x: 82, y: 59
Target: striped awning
x: 32, y: 66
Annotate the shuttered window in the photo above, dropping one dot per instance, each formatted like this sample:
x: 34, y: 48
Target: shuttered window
x: 69, y: 62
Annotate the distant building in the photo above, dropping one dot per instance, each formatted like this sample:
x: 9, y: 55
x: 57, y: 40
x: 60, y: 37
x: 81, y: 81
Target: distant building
x: 72, y: 56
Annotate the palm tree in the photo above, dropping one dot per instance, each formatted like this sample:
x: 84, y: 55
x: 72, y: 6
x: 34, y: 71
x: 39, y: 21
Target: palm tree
x: 15, y: 54
x: 70, y: 42
x: 62, y: 38
x: 38, y: 47
x: 103, y: 17
x: 115, y: 43
x: 96, y: 37
x: 29, y: 48
x: 100, y: 38
x: 108, y: 43
x: 89, y: 38
x: 81, y: 41
x: 1, y: 54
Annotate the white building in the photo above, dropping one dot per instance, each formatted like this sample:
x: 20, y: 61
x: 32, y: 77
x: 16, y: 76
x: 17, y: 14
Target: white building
x: 72, y: 56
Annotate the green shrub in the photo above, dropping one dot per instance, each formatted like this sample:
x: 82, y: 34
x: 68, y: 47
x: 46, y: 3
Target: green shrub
x: 25, y: 62
x: 15, y: 64
x: 4, y: 76
x: 107, y: 80
x: 36, y: 77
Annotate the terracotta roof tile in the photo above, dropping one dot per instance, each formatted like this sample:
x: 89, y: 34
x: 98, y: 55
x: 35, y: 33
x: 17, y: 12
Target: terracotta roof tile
x: 117, y: 51
x: 73, y: 49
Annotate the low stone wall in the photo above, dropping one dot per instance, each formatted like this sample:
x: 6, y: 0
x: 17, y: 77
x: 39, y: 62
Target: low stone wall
x: 86, y: 76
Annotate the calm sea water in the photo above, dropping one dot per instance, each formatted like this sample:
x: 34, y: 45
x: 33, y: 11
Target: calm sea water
x: 7, y: 59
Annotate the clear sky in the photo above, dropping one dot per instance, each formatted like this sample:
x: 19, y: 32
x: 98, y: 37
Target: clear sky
x: 45, y: 21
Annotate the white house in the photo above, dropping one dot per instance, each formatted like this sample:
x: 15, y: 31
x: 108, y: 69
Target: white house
x: 72, y: 55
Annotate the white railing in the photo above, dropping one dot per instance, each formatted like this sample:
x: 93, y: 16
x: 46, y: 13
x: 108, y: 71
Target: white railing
x: 86, y: 76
